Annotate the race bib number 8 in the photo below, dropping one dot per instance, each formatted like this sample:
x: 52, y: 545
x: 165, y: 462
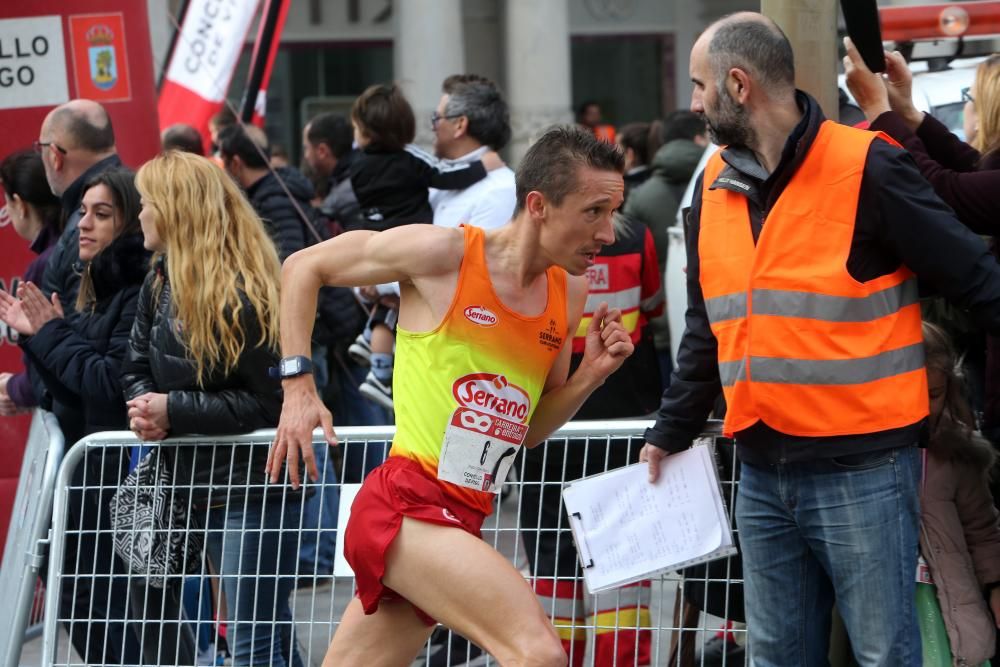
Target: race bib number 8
x: 479, y: 449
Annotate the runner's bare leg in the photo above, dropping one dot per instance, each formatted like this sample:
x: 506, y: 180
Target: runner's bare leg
x: 463, y: 583
x: 391, y: 637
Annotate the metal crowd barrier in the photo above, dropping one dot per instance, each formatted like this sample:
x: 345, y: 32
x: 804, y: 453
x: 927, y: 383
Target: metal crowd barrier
x: 97, y: 613
x: 27, y: 537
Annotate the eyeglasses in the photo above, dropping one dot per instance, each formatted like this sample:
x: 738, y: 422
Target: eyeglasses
x: 967, y: 96
x: 436, y: 118
x: 40, y: 146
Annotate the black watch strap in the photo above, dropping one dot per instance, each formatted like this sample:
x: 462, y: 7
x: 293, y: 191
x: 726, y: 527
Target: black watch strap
x: 294, y: 366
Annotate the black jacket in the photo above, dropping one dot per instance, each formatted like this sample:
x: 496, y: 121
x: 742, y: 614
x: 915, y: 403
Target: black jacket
x: 62, y: 273
x: 275, y: 208
x: 79, y: 357
x: 339, y: 318
x: 341, y: 204
x: 246, y: 399
x: 899, y: 221
x: 391, y: 186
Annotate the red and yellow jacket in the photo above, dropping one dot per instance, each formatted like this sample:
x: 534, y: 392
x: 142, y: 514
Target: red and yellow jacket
x: 626, y: 275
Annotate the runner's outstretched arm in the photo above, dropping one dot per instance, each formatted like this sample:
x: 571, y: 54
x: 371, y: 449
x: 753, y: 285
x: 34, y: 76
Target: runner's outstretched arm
x: 608, y: 344
x: 351, y: 259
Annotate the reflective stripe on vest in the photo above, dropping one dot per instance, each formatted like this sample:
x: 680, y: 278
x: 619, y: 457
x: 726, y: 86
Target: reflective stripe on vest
x: 801, y: 344
x: 826, y: 371
x: 825, y: 307
x: 730, y: 372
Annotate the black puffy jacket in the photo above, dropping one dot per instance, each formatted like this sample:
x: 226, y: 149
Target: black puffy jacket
x: 246, y: 399
x: 275, y: 208
x: 78, y: 358
x: 338, y: 317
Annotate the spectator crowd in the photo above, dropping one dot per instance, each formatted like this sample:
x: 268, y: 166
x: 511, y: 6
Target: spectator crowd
x: 153, y: 305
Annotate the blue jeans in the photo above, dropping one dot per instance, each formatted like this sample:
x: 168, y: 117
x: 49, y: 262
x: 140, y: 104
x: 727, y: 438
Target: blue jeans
x: 254, y: 547
x: 196, y: 597
x: 318, y: 538
x: 818, y: 531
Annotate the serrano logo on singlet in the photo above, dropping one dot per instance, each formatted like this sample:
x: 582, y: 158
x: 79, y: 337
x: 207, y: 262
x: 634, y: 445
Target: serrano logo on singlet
x: 491, y: 393
x: 481, y: 315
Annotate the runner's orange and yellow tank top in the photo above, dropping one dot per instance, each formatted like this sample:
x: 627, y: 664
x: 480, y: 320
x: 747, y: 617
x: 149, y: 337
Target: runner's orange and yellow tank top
x: 465, y: 391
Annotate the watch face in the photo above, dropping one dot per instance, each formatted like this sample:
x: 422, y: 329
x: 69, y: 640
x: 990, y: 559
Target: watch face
x: 290, y: 366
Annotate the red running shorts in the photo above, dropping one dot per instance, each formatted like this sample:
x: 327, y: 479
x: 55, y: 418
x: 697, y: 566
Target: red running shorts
x: 397, y: 488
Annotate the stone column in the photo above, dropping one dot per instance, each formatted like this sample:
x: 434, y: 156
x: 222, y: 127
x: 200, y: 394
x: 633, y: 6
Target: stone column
x: 429, y: 46
x: 538, y: 69
x: 811, y: 26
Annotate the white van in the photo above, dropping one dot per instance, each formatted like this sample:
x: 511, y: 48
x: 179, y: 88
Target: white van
x: 936, y: 92
x: 939, y: 92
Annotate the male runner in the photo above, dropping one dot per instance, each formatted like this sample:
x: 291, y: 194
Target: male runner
x: 482, y: 359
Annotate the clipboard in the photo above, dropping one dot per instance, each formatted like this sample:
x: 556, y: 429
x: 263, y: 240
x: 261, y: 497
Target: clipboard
x: 626, y: 529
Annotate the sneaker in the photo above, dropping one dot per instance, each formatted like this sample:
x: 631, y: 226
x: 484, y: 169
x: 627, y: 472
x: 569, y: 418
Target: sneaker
x: 361, y: 351
x: 450, y: 649
x: 207, y: 657
x: 373, y: 389
x: 718, y: 652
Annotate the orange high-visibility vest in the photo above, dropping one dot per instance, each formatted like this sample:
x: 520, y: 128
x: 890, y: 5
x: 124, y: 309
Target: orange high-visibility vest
x: 803, y: 346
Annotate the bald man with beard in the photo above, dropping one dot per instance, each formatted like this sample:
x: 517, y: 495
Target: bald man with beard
x: 805, y: 241
x: 76, y: 143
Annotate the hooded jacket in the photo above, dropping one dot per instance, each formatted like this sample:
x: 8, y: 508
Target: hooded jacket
x: 78, y: 357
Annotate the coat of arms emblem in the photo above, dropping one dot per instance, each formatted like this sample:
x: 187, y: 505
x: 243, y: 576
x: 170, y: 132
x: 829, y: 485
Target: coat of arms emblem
x: 101, y: 54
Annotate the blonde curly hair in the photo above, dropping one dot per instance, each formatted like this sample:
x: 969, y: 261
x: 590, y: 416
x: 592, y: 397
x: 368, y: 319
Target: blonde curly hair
x: 219, y: 257
x: 987, y: 92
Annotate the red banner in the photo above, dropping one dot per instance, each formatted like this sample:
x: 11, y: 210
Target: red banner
x: 260, y: 104
x: 52, y: 51
x: 203, y: 61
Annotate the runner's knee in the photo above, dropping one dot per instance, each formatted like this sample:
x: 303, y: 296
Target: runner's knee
x: 541, y: 650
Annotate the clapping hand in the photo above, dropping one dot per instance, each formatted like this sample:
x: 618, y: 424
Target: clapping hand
x: 30, y: 311
x: 12, y: 314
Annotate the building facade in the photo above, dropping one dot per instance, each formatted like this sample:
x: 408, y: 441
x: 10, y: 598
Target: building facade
x: 629, y: 56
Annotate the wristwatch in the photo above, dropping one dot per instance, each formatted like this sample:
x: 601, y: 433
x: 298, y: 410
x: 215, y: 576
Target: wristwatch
x: 290, y: 367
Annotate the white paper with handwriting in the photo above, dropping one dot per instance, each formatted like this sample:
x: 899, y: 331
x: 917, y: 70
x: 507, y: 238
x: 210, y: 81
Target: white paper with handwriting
x: 627, y: 529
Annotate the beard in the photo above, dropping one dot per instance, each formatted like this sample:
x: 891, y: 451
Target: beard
x: 731, y: 125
